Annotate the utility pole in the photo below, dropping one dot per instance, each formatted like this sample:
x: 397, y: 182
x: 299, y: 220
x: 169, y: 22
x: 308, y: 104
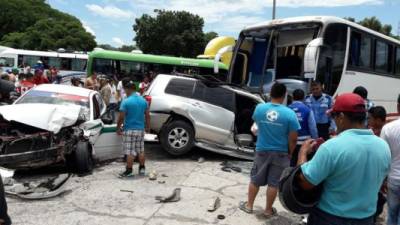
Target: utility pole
x: 273, y: 9
x: 398, y: 29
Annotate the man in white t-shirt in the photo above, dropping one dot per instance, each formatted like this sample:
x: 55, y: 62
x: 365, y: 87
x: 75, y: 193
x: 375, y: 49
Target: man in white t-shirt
x: 391, y: 134
x: 121, y: 95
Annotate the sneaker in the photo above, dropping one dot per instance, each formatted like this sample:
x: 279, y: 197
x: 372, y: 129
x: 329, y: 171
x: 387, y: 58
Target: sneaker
x: 126, y: 174
x: 142, y: 171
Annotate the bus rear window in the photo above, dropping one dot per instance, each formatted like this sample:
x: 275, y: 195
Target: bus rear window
x: 104, y: 66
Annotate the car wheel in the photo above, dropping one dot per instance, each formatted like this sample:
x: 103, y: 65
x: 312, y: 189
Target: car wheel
x: 83, y: 162
x: 177, y: 137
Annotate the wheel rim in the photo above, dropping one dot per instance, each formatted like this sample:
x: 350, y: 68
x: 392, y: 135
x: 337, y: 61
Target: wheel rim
x: 178, y: 137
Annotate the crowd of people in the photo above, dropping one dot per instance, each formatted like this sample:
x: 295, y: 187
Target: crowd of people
x: 342, y: 144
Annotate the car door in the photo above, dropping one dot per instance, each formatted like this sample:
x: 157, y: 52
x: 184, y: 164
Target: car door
x: 108, y: 145
x: 212, y: 113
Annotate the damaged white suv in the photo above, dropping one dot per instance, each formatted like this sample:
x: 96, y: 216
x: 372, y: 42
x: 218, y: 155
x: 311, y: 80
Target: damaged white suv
x: 55, y: 123
x: 191, y: 111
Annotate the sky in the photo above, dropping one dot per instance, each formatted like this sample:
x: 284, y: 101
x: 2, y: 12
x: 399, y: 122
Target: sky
x: 111, y: 21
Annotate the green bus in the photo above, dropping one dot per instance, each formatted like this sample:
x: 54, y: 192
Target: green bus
x: 136, y: 65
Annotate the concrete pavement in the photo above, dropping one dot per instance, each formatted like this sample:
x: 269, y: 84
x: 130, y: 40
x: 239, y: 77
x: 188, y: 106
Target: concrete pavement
x: 98, y: 199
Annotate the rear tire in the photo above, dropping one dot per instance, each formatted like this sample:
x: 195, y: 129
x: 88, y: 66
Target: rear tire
x: 177, y: 137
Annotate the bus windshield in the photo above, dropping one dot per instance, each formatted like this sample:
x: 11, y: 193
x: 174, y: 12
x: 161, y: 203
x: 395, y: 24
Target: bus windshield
x: 264, y: 55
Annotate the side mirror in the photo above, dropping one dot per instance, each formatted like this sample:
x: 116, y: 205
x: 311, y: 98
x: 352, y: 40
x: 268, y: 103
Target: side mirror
x: 106, y: 119
x: 311, y: 58
x: 219, y: 55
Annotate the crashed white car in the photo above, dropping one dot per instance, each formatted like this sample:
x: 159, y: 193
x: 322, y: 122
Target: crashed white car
x: 57, y: 123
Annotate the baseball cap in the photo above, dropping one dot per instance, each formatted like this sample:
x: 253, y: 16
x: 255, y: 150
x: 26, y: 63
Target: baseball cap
x: 348, y: 102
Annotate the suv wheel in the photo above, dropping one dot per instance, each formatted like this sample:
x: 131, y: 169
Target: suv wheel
x: 80, y: 161
x: 177, y: 137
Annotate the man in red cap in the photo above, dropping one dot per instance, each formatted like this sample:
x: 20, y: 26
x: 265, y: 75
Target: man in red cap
x: 351, y: 168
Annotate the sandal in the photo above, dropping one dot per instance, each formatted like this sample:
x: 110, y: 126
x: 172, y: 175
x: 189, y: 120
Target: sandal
x: 269, y: 216
x: 243, y: 207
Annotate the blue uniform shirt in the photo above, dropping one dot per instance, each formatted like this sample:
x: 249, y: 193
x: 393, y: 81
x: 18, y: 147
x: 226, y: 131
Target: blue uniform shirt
x: 320, y: 107
x: 134, y: 108
x: 307, y: 121
x: 351, y: 168
x: 274, y: 123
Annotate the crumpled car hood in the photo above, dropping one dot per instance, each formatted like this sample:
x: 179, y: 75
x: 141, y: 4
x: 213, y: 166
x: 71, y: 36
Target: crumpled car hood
x: 43, y: 116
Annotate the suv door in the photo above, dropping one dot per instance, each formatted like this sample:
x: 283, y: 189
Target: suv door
x: 213, y: 113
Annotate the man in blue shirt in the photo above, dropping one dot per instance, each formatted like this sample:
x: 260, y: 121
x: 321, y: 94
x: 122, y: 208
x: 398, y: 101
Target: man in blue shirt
x: 320, y: 103
x: 133, y: 115
x: 307, y: 123
x: 277, y: 136
x: 350, y: 167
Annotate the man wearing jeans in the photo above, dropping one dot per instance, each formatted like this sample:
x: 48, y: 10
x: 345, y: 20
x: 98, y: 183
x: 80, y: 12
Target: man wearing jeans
x: 277, y: 136
x: 133, y: 115
x: 350, y: 167
x: 391, y: 134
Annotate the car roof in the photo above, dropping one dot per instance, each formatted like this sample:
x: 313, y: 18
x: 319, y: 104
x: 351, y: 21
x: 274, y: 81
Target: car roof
x: 64, y: 89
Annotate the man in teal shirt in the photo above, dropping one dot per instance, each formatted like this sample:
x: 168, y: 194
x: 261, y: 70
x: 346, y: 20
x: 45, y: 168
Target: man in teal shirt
x: 134, y: 116
x: 351, y: 168
x: 277, y: 137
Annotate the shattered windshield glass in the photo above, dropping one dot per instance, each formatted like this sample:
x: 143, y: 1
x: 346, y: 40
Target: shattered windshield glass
x: 45, y: 97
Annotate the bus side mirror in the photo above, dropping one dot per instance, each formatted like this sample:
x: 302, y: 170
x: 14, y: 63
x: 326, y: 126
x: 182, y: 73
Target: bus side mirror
x: 311, y: 58
x: 219, y: 55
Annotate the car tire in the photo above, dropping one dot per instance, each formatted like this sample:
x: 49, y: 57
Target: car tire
x: 82, y: 161
x: 177, y: 137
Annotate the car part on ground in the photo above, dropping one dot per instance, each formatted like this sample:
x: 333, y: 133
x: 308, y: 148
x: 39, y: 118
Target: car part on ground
x: 214, y: 205
x: 38, y: 190
x: 174, y: 197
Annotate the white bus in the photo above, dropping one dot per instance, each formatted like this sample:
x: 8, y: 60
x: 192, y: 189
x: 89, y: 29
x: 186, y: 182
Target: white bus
x: 338, y: 53
x: 65, y: 62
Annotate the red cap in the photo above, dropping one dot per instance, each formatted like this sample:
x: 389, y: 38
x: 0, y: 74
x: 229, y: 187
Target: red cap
x: 348, y: 102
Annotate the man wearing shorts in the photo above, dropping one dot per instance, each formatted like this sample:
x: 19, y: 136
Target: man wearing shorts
x: 277, y: 137
x: 133, y: 115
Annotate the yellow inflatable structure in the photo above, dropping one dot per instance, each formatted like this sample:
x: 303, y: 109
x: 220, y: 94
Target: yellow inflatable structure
x: 215, y: 45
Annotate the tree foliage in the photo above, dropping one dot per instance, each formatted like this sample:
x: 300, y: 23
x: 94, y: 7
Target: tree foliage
x: 33, y: 24
x: 177, y: 33
x: 123, y: 48
x: 375, y: 24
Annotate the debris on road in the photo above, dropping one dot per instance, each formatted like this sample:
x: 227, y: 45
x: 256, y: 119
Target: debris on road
x: 161, y: 182
x: 127, y: 191
x: 37, y: 190
x: 201, y: 160
x: 174, y: 197
x: 164, y: 175
x: 215, y: 204
x: 221, y: 217
x: 153, y: 175
x: 226, y: 169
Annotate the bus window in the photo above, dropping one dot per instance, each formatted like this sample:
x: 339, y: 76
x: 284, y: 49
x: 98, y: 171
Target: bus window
x: 54, y: 62
x: 239, y: 67
x: 78, y: 65
x: 103, y: 66
x: 360, y: 50
x: 397, y: 67
x: 381, y: 56
x: 65, y: 64
x: 160, y: 68
x: 30, y: 60
x: 332, y: 54
x: 7, y: 62
x: 130, y: 69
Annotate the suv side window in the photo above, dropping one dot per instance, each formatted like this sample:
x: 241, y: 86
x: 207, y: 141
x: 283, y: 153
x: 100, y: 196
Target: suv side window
x: 96, y: 108
x: 180, y: 87
x: 215, y: 95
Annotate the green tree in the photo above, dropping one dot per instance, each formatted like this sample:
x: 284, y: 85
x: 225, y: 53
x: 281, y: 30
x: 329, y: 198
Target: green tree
x: 209, y: 36
x: 375, y: 24
x: 123, y: 48
x: 177, y: 33
x: 33, y: 24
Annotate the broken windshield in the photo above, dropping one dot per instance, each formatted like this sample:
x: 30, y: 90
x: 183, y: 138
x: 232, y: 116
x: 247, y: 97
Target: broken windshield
x: 265, y: 55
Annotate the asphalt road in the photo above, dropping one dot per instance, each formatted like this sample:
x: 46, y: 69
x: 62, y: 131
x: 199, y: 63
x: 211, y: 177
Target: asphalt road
x: 102, y: 198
